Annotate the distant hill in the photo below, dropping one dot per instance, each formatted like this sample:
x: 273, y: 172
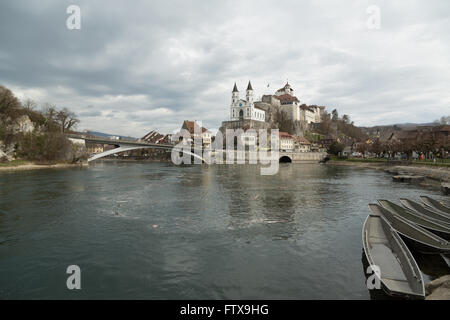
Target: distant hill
x: 371, y: 131
x: 401, y: 125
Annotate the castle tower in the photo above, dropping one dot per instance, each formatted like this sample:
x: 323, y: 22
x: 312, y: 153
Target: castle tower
x: 288, y: 89
x: 249, y: 93
x: 235, y: 96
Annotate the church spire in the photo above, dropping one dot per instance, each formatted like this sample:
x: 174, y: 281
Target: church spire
x: 235, y: 88
x: 249, y: 87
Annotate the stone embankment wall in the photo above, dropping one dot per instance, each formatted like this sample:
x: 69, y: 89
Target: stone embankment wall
x: 303, y: 157
x: 296, y: 157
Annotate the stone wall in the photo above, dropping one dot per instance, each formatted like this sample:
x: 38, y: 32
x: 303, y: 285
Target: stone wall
x: 296, y: 157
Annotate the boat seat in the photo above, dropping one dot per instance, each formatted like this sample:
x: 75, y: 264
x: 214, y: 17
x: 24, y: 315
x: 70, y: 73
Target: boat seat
x: 398, y: 285
x: 388, y: 262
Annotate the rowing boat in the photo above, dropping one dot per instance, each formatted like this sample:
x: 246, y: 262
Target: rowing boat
x: 417, y: 237
x: 435, y: 204
x: 436, y: 227
x: 386, y: 252
x: 414, y: 206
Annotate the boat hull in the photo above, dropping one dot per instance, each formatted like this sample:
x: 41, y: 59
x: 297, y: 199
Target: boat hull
x: 422, y: 240
x: 399, y: 274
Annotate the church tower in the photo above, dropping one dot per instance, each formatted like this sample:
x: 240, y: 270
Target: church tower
x: 249, y: 93
x: 235, y: 96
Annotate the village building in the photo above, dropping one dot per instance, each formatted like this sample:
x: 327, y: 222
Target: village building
x: 156, y: 138
x: 94, y: 148
x: 197, y: 132
x: 287, y: 142
x: 328, y: 140
x: 303, y: 144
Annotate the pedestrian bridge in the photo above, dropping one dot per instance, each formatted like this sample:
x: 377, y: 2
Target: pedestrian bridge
x: 121, y: 145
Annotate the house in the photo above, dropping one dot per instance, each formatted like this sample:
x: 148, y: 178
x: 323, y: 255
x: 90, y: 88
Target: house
x: 327, y: 140
x: 303, y: 144
x: 94, y: 148
x: 287, y: 142
x: 156, y: 138
x: 347, y: 151
x: 197, y: 132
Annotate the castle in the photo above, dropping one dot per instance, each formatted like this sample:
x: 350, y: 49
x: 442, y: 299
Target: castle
x: 263, y: 114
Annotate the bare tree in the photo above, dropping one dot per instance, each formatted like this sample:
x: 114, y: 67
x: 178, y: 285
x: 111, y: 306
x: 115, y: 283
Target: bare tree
x: 442, y: 121
x: 9, y: 104
x: 66, y: 119
x: 29, y: 104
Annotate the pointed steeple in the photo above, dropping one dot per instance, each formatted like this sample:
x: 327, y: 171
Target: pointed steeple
x: 249, y: 87
x: 235, y: 88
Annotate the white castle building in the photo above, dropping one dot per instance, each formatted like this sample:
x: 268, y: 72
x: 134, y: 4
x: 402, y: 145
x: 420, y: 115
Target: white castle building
x: 245, y: 109
x: 290, y: 104
x: 260, y: 114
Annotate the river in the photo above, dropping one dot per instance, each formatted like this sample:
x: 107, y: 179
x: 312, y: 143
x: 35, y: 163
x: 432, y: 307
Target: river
x: 158, y: 231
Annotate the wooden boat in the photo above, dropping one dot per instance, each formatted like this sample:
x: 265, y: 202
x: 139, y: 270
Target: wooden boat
x: 417, y: 237
x: 414, y: 206
x: 429, y: 202
x: 437, y: 228
x: 399, y: 274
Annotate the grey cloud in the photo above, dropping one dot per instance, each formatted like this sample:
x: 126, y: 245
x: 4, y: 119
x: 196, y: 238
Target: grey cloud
x: 184, y: 56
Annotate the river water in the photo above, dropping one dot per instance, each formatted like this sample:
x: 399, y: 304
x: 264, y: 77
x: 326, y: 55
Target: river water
x: 158, y: 231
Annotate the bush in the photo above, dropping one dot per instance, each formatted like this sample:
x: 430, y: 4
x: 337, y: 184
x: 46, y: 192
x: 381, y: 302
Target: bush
x: 44, y: 147
x: 335, y: 148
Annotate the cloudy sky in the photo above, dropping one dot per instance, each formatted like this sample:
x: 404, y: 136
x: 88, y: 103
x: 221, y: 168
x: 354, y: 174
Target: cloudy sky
x: 135, y: 66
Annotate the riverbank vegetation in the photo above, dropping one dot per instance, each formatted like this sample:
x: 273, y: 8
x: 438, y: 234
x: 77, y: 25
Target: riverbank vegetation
x: 428, y: 143
x: 13, y: 163
x: 437, y: 163
x: 29, y: 134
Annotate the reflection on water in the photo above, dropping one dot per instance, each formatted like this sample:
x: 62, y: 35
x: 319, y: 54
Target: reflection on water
x: 157, y: 231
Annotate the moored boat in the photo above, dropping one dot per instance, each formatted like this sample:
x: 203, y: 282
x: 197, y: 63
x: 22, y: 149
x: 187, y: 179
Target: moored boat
x: 417, y: 237
x: 436, y: 227
x: 385, y: 250
x: 414, y: 206
x: 435, y: 204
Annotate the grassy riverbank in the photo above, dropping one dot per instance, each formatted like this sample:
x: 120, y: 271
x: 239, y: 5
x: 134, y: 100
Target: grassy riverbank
x: 438, y: 163
x: 17, y: 165
x: 14, y: 164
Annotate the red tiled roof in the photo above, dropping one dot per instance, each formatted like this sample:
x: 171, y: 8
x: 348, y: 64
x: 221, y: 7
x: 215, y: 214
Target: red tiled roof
x: 190, y: 126
x: 155, y: 137
x: 283, y: 134
x: 303, y: 140
x: 305, y: 107
x: 287, y: 97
